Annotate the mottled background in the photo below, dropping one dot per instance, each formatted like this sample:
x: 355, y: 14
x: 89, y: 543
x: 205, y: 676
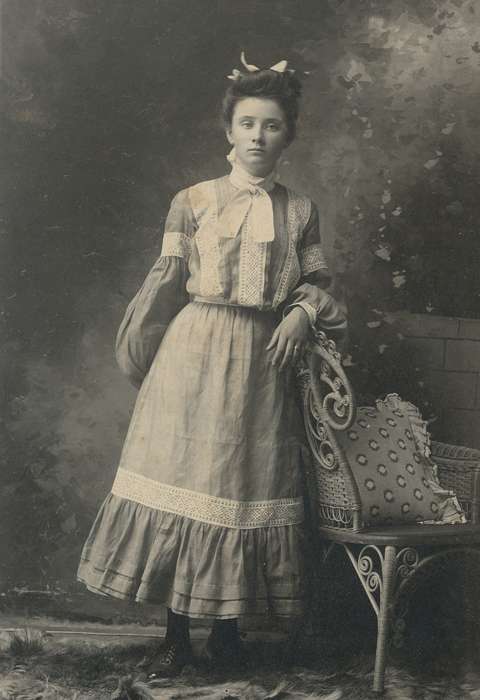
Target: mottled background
x: 109, y: 109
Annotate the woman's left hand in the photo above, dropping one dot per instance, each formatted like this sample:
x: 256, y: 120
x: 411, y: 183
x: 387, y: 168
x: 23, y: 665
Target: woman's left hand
x: 289, y: 338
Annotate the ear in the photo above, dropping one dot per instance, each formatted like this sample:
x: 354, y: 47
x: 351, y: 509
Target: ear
x: 229, y: 136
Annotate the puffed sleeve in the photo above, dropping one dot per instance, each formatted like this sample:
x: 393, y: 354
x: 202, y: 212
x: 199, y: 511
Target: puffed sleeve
x: 162, y: 295
x: 322, y: 309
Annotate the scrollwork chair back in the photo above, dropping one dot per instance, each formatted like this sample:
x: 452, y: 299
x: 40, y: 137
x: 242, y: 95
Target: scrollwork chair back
x: 328, y: 407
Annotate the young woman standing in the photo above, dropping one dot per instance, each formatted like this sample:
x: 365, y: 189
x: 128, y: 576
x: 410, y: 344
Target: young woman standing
x: 205, y: 514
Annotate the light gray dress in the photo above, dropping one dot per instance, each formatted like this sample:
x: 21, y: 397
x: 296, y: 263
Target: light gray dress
x: 205, y: 514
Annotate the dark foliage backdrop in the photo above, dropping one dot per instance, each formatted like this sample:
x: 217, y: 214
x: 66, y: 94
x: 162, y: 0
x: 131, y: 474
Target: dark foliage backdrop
x: 110, y: 108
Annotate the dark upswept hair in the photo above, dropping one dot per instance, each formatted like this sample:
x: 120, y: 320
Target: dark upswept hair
x: 285, y: 88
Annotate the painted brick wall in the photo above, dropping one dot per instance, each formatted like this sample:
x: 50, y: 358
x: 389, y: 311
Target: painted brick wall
x: 452, y: 349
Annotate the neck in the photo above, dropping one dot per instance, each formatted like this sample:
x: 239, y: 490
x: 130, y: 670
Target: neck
x: 242, y: 177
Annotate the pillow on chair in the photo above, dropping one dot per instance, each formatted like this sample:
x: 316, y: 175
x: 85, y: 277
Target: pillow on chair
x: 388, y: 449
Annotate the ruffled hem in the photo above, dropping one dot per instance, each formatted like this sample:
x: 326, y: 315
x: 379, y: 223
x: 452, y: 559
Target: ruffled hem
x: 135, y: 552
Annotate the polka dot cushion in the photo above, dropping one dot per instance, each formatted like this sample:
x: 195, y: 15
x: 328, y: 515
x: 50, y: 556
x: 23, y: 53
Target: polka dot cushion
x: 392, y: 472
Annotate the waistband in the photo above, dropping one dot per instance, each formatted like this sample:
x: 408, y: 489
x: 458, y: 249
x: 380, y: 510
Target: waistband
x: 221, y: 302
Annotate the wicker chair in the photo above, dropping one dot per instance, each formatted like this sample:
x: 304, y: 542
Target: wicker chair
x: 386, y: 560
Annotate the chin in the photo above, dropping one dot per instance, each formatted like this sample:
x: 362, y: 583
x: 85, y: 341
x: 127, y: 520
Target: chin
x: 259, y: 167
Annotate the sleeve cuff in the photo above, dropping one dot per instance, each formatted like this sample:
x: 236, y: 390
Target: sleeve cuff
x: 309, y: 310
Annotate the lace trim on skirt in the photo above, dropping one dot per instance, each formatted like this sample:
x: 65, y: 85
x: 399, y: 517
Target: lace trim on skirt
x: 206, y: 508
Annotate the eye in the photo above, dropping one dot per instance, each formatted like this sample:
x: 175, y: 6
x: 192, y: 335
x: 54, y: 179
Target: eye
x: 273, y: 126
x: 247, y: 123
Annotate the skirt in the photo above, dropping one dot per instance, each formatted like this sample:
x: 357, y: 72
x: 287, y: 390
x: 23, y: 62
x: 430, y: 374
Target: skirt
x: 206, y: 511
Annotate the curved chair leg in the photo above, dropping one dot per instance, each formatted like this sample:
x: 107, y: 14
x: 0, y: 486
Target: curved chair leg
x: 389, y: 566
x: 376, y: 568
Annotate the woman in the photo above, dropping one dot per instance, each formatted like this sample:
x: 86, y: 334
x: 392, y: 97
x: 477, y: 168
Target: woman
x: 205, y: 514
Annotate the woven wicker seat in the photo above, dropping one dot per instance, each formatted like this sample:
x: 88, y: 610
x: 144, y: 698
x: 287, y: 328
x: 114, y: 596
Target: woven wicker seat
x: 385, y: 559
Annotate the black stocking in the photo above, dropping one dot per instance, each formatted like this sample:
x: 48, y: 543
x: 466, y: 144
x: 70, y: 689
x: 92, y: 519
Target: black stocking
x: 225, y: 630
x: 178, y: 628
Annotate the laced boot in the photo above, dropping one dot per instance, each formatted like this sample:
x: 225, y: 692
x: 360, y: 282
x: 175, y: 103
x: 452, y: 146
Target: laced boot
x: 177, y: 651
x: 224, y: 648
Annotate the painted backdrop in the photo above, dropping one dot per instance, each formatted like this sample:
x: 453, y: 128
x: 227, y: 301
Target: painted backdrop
x: 110, y: 108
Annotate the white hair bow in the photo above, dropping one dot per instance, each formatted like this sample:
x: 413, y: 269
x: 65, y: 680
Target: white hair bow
x: 279, y: 67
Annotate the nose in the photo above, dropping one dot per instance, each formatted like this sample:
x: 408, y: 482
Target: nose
x: 258, y: 135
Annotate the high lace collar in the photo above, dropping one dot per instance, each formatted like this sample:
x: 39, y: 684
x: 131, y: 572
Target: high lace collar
x: 243, y: 180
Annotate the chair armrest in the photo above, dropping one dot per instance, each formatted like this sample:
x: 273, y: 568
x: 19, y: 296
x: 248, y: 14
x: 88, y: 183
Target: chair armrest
x: 459, y: 471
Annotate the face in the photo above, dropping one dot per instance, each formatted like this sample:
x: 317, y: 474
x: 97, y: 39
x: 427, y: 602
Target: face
x: 259, y: 134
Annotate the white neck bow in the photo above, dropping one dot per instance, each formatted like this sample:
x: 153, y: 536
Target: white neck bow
x: 251, y: 200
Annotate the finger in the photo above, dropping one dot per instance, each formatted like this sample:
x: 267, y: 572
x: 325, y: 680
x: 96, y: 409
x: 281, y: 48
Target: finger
x: 279, y: 352
x: 297, y: 352
x: 287, y: 356
x: 274, y: 338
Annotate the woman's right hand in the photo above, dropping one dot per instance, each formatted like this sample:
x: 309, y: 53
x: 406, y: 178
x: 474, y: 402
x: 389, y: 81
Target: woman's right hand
x: 289, y: 339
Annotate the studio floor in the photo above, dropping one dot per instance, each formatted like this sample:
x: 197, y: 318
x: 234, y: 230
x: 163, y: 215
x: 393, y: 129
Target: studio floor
x: 43, y: 660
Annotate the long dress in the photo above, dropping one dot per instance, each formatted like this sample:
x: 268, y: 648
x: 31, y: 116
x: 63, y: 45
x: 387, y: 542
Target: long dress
x: 205, y: 514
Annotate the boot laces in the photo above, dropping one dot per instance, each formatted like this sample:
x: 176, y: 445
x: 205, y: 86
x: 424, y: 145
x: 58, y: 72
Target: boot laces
x: 170, y: 654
